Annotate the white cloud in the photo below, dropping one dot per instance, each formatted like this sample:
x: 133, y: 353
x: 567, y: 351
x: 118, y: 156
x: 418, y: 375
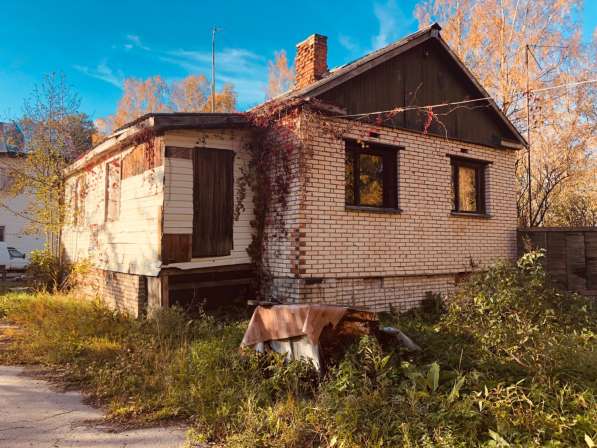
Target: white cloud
x: 349, y: 44
x: 392, y: 23
x: 134, y: 41
x: 241, y: 67
x: 103, y: 72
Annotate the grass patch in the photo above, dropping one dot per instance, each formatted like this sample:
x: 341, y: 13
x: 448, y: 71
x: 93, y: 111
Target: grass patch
x: 510, y: 362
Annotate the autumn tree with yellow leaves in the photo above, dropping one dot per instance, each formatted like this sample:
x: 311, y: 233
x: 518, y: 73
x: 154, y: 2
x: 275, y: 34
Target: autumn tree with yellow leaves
x: 280, y: 75
x: 493, y: 38
x: 154, y: 94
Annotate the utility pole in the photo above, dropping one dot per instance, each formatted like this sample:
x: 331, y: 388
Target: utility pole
x: 528, y: 94
x: 213, y: 68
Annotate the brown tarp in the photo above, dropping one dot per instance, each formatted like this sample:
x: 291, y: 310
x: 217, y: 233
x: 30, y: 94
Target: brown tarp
x: 287, y: 321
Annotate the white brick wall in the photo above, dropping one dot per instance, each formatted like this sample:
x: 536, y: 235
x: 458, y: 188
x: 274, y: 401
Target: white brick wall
x: 420, y: 249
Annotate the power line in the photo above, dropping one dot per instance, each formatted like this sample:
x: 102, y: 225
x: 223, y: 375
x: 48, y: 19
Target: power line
x: 409, y: 108
x: 456, y: 103
x: 570, y: 84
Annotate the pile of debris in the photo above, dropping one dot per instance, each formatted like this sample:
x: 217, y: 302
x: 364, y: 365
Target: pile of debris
x: 316, y: 333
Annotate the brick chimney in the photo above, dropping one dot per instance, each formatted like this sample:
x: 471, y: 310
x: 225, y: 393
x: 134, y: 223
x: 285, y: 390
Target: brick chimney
x: 311, y: 62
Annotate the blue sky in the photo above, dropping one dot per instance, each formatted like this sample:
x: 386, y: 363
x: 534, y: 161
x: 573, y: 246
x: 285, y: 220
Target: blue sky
x: 98, y: 43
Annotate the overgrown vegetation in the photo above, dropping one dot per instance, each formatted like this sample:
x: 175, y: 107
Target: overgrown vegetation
x: 510, y: 362
x: 51, y: 273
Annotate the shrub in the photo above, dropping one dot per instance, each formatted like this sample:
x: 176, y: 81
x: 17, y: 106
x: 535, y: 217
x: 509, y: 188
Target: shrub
x: 52, y: 273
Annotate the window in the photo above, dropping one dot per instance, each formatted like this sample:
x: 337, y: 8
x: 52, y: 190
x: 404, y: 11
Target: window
x: 468, y: 185
x: 2, y: 233
x: 15, y: 253
x: 371, y: 176
x: 112, y: 194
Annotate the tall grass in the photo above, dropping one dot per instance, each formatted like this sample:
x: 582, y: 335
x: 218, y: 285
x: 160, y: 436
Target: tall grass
x: 511, y: 362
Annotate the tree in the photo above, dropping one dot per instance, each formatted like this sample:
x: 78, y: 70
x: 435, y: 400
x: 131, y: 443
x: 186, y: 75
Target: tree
x: 190, y: 94
x: 280, y: 76
x: 141, y: 97
x: 225, y: 100
x: 55, y: 134
x: 491, y: 37
x: 154, y: 94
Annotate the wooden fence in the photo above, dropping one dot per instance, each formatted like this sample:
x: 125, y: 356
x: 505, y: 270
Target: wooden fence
x: 571, y: 255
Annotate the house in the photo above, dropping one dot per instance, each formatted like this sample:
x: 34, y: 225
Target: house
x: 348, y: 205
x: 15, y: 227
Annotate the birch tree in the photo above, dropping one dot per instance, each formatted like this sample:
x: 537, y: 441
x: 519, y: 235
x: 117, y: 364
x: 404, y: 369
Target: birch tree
x: 280, y: 75
x: 154, y: 94
x: 55, y: 133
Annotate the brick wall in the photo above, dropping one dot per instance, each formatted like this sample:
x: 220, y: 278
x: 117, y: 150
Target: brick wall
x: 123, y: 292
x: 378, y: 259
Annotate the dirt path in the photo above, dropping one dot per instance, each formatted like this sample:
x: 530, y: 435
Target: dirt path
x: 33, y: 415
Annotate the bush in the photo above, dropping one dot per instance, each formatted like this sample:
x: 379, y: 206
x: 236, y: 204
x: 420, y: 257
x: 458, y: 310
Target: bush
x: 52, y: 273
x: 511, y: 361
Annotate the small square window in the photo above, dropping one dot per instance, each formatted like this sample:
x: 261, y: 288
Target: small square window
x: 371, y: 176
x: 468, y: 185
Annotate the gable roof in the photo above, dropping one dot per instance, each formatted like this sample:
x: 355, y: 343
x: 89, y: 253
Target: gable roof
x: 348, y: 71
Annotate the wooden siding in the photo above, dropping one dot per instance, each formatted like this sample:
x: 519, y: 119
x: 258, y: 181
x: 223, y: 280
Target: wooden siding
x: 424, y: 75
x: 178, y: 191
x: 130, y: 243
x: 571, y: 255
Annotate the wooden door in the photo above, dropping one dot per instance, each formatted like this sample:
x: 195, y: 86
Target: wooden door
x: 213, y: 202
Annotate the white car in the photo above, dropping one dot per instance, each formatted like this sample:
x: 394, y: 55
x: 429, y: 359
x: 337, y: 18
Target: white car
x: 12, y: 258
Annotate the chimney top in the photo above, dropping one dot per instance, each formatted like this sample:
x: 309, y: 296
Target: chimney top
x: 310, y: 62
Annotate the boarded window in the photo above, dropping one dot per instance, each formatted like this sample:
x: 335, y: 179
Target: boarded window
x: 468, y: 185
x: 6, y: 179
x: 143, y: 157
x: 79, y: 197
x: 370, y: 176
x: 213, y: 202
x: 112, y: 209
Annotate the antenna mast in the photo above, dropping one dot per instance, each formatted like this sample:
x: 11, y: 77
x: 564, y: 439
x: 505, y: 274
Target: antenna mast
x: 528, y: 93
x: 213, y: 68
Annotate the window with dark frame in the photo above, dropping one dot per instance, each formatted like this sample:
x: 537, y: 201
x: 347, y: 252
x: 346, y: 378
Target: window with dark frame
x: 371, y: 178
x: 468, y: 185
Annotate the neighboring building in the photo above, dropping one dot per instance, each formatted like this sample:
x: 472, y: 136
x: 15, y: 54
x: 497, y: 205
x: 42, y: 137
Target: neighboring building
x: 14, y: 225
x: 379, y: 212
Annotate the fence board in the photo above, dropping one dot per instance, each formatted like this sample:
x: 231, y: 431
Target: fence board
x: 571, y: 255
x: 575, y: 261
x: 591, y: 259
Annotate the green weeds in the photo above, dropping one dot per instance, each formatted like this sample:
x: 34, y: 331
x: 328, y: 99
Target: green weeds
x: 510, y: 361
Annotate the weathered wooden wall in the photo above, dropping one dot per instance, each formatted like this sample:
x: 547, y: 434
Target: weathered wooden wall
x: 571, y: 255
x: 422, y: 76
x: 128, y: 241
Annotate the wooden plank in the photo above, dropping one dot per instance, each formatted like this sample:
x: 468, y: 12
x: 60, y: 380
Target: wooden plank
x: 591, y: 259
x: 556, y: 258
x: 154, y: 295
x: 165, y: 291
x: 211, y: 283
x: 176, y: 248
x: 575, y: 261
x: 213, y: 195
x: 175, y: 152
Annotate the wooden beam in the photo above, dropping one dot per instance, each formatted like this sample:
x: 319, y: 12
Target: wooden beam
x: 210, y: 284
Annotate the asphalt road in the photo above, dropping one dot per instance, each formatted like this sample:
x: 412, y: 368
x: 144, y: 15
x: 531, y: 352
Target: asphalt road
x: 34, y: 415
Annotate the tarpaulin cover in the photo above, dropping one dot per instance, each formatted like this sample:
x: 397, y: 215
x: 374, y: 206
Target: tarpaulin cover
x: 288, y: 321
